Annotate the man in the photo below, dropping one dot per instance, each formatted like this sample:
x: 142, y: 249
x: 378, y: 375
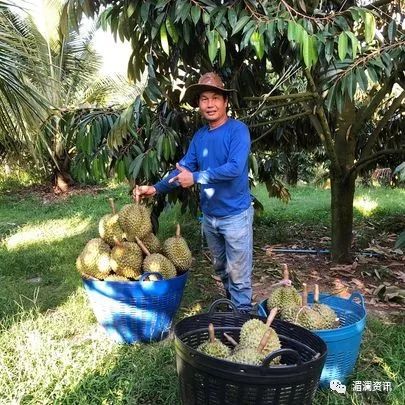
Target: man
x: 217, y: 160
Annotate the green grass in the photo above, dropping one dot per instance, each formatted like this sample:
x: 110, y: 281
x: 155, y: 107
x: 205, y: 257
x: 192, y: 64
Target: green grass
x: 51, y: 348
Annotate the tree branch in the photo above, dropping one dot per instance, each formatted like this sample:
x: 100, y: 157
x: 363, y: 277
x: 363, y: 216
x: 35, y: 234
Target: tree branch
x: 282, y: 97
x: 368, y: 111
x: 381, y: 124
x: 282, y: 119
x: 370, y: 159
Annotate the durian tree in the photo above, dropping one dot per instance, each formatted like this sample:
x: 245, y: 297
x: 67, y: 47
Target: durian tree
x: 349, y: 56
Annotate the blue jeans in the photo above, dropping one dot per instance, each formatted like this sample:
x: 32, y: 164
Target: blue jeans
x: 230, y: 240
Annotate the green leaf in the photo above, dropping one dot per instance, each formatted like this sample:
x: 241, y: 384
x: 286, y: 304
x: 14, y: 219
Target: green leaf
x: 144, y: 11
x: 195, y: 14
x: 171, y: 29
x: 164, y: 40
x: 342, y: 46
x: 271, y: 32
x: 329, y: 47
x: 253, y: 164
x: 258, y: 43
x: 392, y: 30
x: 369, y: 27
x: 372, y: 74
x: 232, y: 17
x: 355, y: 44
x: 222, y: 51
x: 305, y: 49
x: 136, y: 165
x: 212, y: 45
x: 362, y: 79
x: 206, y: 18
x: 240, y: 24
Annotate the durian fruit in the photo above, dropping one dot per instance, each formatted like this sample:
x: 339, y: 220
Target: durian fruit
x: 152, y: 243
x: 251, y: 355
x: 178, y: 252
x: 329, y: 318
x: 126, y: 259
x: 253, y: 331
x: 284, y: 296
x: 94, y: 260
x: 157, y: 263
x: 214, y: 347
x: 109, y: 227
x: 135, y: 221
x: 303, y: 316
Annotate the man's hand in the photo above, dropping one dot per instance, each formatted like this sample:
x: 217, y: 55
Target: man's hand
x: 140, y: 192
x: 184, y: 178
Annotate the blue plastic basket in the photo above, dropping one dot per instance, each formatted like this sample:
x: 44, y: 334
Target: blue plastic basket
x: 344, y: 342
x: 132, y: 311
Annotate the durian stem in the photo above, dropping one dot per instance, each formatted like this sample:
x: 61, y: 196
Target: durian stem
x: 178, y: 234
x: 142, y: 246
x: 264, y: 340
x: 117, y: 242
x: 286, y: 275
x: 271, y: 316
x: 316, y: 293
x: 211, y: 332
x: 304, y: 295
x: 230, y: 339
x: 137, y: 197
x: 112, y: 205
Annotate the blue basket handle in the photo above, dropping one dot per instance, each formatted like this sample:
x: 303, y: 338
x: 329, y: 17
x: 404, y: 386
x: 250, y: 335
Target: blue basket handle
x: 215, y: 304
x: 357, y: 296
x: 280, y: 352
x: 144, y: 275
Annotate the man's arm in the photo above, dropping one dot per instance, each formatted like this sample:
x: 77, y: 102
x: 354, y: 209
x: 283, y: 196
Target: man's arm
x: 188, y: 162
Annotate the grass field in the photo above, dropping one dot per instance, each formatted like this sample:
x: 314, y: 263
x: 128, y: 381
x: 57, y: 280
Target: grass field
x: 51, y: 348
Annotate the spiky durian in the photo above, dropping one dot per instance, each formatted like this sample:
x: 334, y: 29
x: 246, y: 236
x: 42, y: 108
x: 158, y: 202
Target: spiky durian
x: 135, y: 221
x: 94, y: 260
x: 177, y: 251
x: 304, y: 315
x: 284, y: 296
x: 213, y: 346
x: 253, y: 355
x: 253, y: 331
x: 109, y: 227
x: 152, y: 243
x: 329, y: 318
x: 157, y: 263
x: 126, y: 259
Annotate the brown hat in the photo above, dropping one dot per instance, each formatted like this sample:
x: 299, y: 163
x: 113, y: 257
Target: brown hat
x: 208, y: 82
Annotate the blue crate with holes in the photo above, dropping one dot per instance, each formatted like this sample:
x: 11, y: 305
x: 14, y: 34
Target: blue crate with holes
x: 344, y: 342
x: 136, y: 311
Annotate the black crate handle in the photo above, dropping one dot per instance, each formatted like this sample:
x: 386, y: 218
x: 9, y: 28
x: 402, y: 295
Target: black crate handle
x: 280, y: 352
x: 144, y: 275
x: 215, y: 304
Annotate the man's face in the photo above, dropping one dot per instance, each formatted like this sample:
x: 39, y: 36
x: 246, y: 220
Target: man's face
x: 213, y: 106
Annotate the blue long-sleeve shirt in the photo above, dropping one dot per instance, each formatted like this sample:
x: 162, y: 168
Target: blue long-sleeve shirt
x: 218, y: 159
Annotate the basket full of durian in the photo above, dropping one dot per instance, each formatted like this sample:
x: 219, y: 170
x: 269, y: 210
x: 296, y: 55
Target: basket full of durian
x: 338, y: 321
x: 134, y: 282
x: 236, y: 358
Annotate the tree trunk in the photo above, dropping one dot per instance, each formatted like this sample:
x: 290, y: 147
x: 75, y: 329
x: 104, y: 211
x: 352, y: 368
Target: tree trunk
x: 342, y: 195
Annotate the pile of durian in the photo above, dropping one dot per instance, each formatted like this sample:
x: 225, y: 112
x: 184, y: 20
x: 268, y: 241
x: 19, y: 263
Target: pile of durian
x: 256, y: 341
x: 294, y: 306
x: 127, y: 248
